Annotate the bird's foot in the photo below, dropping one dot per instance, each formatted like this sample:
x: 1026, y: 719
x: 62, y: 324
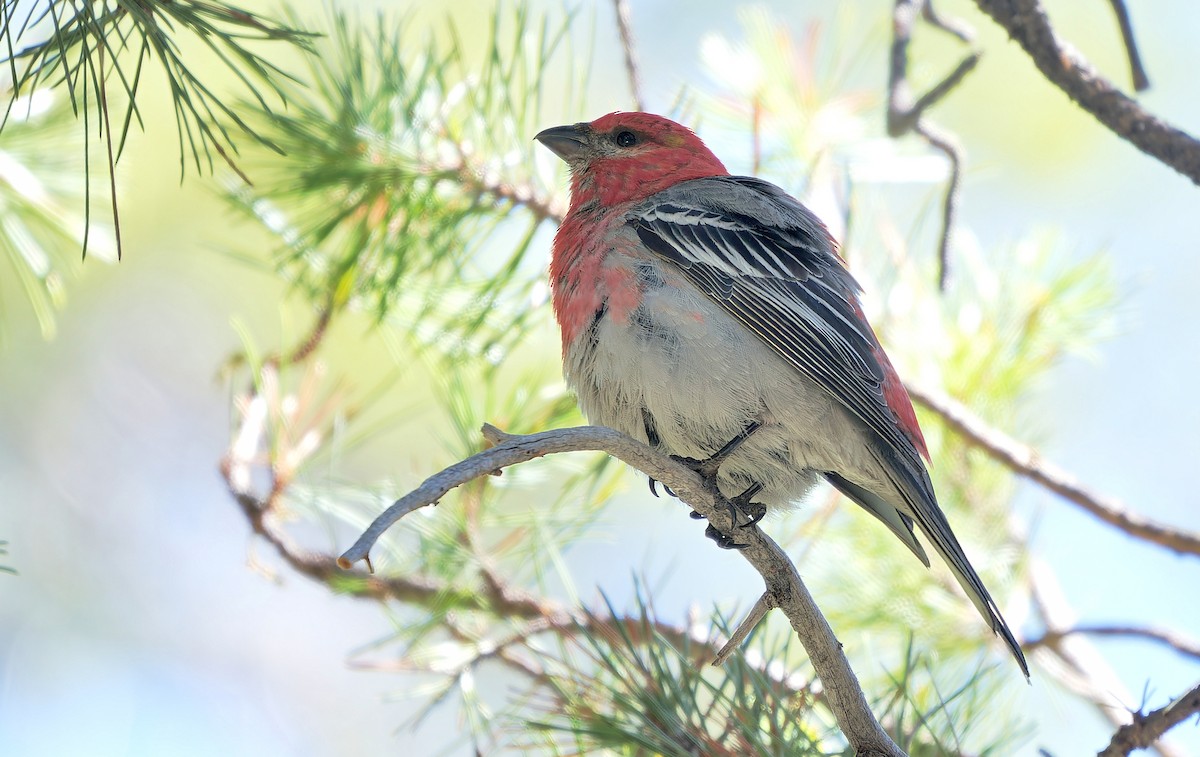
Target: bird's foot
x: 739, y: 505
x: 755, y: 511
x: 723, y: 541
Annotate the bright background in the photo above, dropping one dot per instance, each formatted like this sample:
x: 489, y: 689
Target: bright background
x: 145, y: 620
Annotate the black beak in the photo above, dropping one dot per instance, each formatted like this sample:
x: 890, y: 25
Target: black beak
x: 564, y: 141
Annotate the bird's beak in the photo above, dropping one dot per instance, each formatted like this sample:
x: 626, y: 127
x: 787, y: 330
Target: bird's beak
x: 564, y: 141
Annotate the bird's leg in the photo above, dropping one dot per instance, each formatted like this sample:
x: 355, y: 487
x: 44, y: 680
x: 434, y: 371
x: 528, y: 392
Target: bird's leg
x: 653, y: 440
x: 708, y: 468
x: 739, y: 504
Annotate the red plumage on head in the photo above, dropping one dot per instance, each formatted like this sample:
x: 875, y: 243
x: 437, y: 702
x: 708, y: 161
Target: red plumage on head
x: 666, y: 154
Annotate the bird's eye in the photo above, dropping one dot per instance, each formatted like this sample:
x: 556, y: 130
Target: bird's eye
x: 626, y: 139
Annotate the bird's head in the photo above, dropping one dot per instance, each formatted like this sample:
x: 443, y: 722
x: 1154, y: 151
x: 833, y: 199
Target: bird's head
x: 626, y: 157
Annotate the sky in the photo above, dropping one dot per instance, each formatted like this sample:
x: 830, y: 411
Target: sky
x: 148, y: 618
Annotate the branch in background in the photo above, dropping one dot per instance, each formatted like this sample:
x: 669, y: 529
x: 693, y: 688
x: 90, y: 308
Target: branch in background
x: 949, y: 25
x: 625, y: 27
x: 1141, y: 82
x: 842, y: 691
x: 904, y: 114
x: 1027, y: 23
x: 1148, y: 728
x: 1026, y: 461
x: 1073, y: 661
x: 1183, y: 645
x: 520, y: 195
x: 78, y: 47
x: 945, y: 142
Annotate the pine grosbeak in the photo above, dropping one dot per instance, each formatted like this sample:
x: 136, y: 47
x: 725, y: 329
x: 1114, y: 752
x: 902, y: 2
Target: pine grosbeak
x: 702, y: 312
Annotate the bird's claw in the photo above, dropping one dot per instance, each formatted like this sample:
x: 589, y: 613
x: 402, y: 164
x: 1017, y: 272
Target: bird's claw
x: 723, y: 541
x: 654, y: 490
x: 755, y: 511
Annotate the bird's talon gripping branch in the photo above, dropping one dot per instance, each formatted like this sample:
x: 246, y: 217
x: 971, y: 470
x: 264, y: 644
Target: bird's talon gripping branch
x: 723, y: 541
x: 755, y: 511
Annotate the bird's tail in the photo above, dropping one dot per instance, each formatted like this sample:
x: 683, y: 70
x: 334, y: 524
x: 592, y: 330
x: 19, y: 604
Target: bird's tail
x: 917, y: 491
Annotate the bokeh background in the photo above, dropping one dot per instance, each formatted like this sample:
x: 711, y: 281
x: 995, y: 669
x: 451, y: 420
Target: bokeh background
x: 145, y: 619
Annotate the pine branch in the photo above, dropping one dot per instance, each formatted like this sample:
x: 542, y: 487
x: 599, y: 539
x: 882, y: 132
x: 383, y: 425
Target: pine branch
x: 85, y: 47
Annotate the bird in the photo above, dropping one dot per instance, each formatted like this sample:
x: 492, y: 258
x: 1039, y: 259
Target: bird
x: 711, y: 317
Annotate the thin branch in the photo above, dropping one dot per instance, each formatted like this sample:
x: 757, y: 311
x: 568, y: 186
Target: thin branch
x: 759, y: 611
x: 1027, y: 23
x: 314, y: 338
x: 1141, y: 82
x: 783, y: 583
x: 949, y: 146
x: 1024, y: 460
x: 625, y: 28
x: 1150, y: 727
x: 904, y: 114
x: 1184, y: 645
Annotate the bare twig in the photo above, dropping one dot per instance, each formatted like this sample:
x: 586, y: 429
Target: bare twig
x: 1026, y: 461
x: 1149, y: 727
x: 1184, y: 645
x: 783, y: 583
x: 904, y: 114
x: 314, y: 338
x: 625, y: 28
x: 1141, y: 82
x: 949, y: 146
x: 1027, y: 23
x: 753, y: 618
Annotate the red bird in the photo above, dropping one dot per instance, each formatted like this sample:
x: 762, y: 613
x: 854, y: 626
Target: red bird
x: 711, y: 316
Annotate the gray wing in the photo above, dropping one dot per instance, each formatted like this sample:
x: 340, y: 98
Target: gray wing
x: 771, y: 264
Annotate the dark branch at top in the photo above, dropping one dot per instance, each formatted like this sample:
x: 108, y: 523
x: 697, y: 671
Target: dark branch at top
x: 1027, y: 23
